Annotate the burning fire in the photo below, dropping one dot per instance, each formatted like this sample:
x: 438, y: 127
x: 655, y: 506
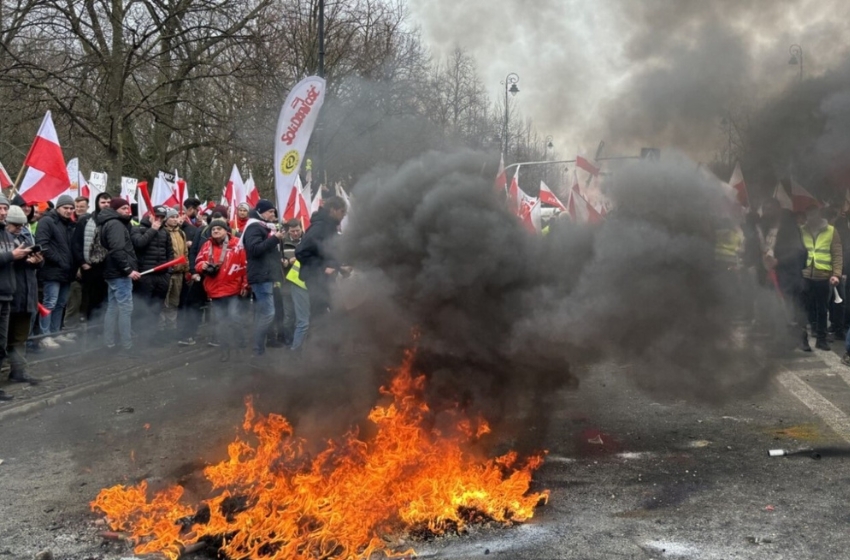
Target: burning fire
x: 270, y: 499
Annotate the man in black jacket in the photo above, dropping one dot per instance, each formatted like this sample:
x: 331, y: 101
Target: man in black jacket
x: 262, y: 247
x: 91, y: 274
x: 54, y: 234
x: 153, y: 248
x: 314, y: 253
x: 120, y: 270
x: 9, y: 252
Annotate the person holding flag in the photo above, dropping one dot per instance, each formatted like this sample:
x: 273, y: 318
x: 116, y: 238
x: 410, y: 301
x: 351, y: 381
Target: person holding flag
x: 120, y: 270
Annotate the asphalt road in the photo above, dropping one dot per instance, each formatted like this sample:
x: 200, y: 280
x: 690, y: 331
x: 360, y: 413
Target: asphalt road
x: 630, y: 477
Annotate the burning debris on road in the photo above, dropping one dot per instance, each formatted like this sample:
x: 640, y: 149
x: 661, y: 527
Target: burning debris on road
x: 415, y: 473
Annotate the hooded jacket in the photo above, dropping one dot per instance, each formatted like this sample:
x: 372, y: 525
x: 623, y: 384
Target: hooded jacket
x: 263, y: 250
x: 231, y: 278
x: 153, y: 246
x: 7, y: 270
x: 115, y: 237
x: 84, y: 232
x: 315, y: 251
x: 54, y: 235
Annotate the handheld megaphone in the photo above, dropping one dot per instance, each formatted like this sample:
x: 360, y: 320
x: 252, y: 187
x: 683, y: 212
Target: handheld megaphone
x: 837, y: 298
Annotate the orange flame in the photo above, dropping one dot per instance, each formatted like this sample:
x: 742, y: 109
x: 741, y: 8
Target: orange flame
x: 271, y: 500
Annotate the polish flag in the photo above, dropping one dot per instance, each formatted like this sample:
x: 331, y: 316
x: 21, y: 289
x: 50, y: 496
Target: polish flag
x: 252, y: 195
x: 737, y: 183
x: 587, y: 214
x: 548, y: 197
x: 5, y: 180
x: 501, y: 178
x: 530, y: 213
x: 514, y: 199
x: 801, y: 198
x: 296, y: 206
x: 234, y: 192
x: 163, y: 193
x: 587, y: 165
x: 572, y: 202
x: 782, y: 196
x: 317, y: 201
x: 46, y: 176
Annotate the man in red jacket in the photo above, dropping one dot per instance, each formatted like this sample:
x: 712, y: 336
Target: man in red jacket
x: 222, y: 264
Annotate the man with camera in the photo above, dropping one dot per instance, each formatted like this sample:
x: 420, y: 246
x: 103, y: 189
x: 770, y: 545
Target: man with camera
x: 222, y: 265
x: 262, y: 242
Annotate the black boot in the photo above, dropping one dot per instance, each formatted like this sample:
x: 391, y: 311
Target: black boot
x: 822, y: 344
x: 805, y: 346
x: 4, y: 396
x: 23, y: 378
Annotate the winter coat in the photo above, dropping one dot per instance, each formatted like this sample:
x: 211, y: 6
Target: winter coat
x: 231, y: 278
x: 178, y: 248
x: 315, y: 250
x: 790, y: 253
x: 7, y: 270
x: 115, y: 237
x: 189, y: 229
x: 153, y: 246
x: 201, y: 236
x: 25, y: 299
x: 54, y: 234
x: 263, y: 250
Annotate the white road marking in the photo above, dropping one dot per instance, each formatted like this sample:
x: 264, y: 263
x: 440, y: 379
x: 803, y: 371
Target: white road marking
x: 831, y: 414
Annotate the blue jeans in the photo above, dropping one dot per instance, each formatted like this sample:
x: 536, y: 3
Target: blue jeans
x: 301, y: 300
x: 263, y: 314
x: 226, y: 316
x: 119, y: 311
x: 55, y: 299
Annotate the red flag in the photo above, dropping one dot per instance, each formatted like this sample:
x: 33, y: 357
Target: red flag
x: 252, y: 195
x: 501, y: 178
x: 801, y: 198
x: 587, y: 165
x: 5, y: 180
x: 514, y: 199
x: 142, y: 187
x: 548, y: 197
x: 175, y: 262
x: 737, y: 182
x: 46, y: 176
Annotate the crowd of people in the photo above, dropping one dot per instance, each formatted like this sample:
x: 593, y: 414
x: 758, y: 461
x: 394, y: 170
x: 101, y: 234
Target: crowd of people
x: 800, y: 258
x: 150, y: 282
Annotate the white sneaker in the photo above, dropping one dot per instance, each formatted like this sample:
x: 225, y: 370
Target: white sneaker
x: 49, y: 343
x: 63, y: 338
x: 69, y: 335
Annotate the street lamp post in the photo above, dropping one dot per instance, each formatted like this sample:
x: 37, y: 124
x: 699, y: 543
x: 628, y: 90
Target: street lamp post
x: 510, y: 84
x: 796, y: 57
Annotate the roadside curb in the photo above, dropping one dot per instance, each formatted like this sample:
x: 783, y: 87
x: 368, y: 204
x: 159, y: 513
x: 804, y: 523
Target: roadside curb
x: 83, y: 389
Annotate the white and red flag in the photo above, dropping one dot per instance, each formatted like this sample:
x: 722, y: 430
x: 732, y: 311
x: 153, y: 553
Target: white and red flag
x: 5, y: 180
x: 737, y: 183
x: 163, y: 193
x: 801, y: 198
x: 252, y: 195
x: 501, y: 178
x: 296, y: 205
x: 340, y: 192
x: 529, y: 213
x: 294, y: 127
x: 548, y: 197
x: 46, y: 176
x: 234, y: 190
x: 514, y: 198
x: 317, y: 201
x: 587, y: 165
x: 783, y: 198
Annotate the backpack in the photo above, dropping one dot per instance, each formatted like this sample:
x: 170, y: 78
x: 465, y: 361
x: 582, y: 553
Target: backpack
x: 97, y: 252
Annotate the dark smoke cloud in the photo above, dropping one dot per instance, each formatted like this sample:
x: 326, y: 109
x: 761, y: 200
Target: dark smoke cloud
x: 505, y: 318
x: 648, y: 73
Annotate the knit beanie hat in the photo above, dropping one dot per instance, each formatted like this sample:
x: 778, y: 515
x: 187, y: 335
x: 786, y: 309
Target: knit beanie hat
x: 264, y: 206
x: 64, y: 200
x: 219, y: 223
x: 16, y: 216
x: 117, y: 203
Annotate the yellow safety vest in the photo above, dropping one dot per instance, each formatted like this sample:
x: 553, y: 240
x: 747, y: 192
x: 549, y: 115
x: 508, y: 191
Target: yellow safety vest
x: 819, y: 248
x: 294, y: 275
x: 726, y: 246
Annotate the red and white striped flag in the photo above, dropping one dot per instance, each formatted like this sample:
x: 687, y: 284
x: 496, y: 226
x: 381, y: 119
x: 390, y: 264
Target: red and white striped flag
x: 548, y: 197
x: 587, y: 165
x: 801, y: 198
x: 252, y: 195
x: 5, y: 180
x: 529, y: 213
x: 737, y: 183
x: 46, y: 176
x: 514, y: 199
x: 296, y: 206
x: 782, y: 196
